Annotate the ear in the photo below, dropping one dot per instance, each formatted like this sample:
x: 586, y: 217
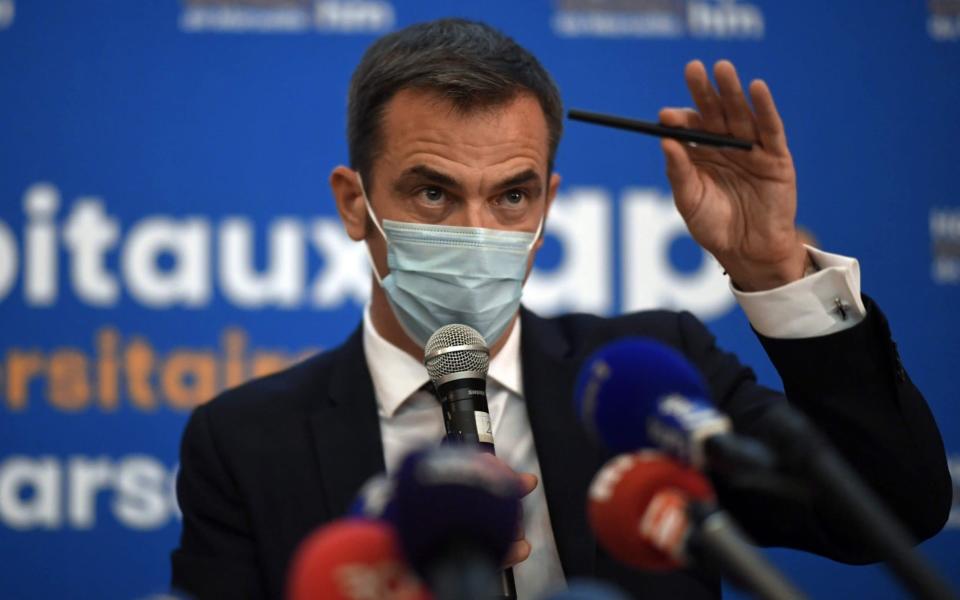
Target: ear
x: 552, y: 186
x: 350, y: 205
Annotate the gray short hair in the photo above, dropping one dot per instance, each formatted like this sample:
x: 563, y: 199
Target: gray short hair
x: 470, y: 64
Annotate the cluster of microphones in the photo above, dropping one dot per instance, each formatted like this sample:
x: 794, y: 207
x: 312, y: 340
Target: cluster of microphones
x: 442, y: 525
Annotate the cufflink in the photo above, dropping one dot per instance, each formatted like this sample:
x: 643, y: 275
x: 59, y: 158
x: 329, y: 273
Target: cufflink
x: 840, y: 308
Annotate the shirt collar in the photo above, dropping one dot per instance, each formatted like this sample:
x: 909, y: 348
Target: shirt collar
x: 505, y: 366
x: 396, y: 375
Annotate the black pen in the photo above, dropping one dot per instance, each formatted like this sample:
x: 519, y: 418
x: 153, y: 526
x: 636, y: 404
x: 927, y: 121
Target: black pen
x: 694, y: 136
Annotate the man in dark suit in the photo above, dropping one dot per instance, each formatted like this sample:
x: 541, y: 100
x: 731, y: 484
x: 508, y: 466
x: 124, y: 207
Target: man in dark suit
x: 453, y: 130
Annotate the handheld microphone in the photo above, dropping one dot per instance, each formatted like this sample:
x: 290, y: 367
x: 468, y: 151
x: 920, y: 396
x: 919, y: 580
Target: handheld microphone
x: 457, y: 359
x: 352, y: 559
x: 654, y: 513
x: 456, y: 511
x: 805, y: 450
x: 636, y: 393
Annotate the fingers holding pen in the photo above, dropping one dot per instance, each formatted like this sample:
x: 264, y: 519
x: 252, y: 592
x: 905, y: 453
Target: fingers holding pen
x: 739, y: 115
x: 680, y: 169
x: 726, y: 108
x: 769, y: 125
x: 705, y: 97
x: 686, y: 118
x: 682, y: 174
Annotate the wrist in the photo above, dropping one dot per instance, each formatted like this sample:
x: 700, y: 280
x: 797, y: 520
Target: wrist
x: 758, y: 276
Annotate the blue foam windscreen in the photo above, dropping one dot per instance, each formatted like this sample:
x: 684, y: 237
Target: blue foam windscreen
x: 619, y: 385
x: 453, y: 497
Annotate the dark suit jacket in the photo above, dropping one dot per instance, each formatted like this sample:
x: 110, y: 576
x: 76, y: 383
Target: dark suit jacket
x: 264, y: 464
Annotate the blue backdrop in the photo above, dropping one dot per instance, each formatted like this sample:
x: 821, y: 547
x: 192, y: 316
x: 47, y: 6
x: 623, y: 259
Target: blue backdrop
x: 166, y: 228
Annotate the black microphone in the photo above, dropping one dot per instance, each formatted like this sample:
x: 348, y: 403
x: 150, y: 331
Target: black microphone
x: 804, y: 449
x: 457, y: 358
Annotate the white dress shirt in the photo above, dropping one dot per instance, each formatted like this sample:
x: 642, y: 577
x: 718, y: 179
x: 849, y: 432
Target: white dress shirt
x: 819, y: 304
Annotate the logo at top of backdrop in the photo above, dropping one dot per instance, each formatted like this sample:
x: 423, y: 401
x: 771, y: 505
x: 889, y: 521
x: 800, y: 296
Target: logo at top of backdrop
x: 169, y: 261
x: 658, y: 19
x: 286, y: 16
x: 943, y: 20
x: 7, y: 11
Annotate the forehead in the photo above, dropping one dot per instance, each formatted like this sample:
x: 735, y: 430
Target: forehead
x: 420, y: 127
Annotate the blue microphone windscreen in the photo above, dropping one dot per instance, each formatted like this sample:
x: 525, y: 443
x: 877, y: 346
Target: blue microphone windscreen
x: 452, y: 497
x: 619, y: 386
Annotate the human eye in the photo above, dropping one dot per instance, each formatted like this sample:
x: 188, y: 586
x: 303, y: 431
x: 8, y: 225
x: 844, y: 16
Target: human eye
x: 513, y: 198
x: 432, y: 196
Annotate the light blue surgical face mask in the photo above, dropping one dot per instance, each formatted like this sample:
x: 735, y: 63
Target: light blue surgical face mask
x: 442, y: 274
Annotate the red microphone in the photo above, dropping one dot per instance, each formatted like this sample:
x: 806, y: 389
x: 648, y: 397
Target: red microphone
x: 637, y: 506
x: 352, y: 559
x: 654, y: 513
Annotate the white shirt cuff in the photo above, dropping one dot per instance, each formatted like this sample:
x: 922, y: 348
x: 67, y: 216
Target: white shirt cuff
x: 821, y: 303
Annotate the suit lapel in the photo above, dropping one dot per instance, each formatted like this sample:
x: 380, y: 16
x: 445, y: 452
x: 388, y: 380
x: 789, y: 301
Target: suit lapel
x: 568, y: 459
x: 346, y: 427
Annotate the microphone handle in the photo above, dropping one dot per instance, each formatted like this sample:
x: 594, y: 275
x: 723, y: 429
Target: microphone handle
x: 466, y: 418
x: 461, y: 573
x: 806, y: 449
x: 465, y: 413
x: 508, y: 587
x: 717, y: 536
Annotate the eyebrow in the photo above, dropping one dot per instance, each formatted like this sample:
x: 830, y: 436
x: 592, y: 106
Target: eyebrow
x: 425, y: 172
x: 519, y: 179
x: 440, y: 178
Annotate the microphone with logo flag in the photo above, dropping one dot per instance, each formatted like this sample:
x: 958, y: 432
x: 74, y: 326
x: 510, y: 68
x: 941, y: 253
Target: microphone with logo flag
x: 654, y: 513
x: 352, y: 559
x: 637, y: 393
x: 455, y: 512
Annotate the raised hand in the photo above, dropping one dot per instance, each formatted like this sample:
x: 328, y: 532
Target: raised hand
x: 739, y: 205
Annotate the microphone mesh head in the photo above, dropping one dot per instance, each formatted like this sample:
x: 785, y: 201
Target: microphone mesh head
x: 471, y: 355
